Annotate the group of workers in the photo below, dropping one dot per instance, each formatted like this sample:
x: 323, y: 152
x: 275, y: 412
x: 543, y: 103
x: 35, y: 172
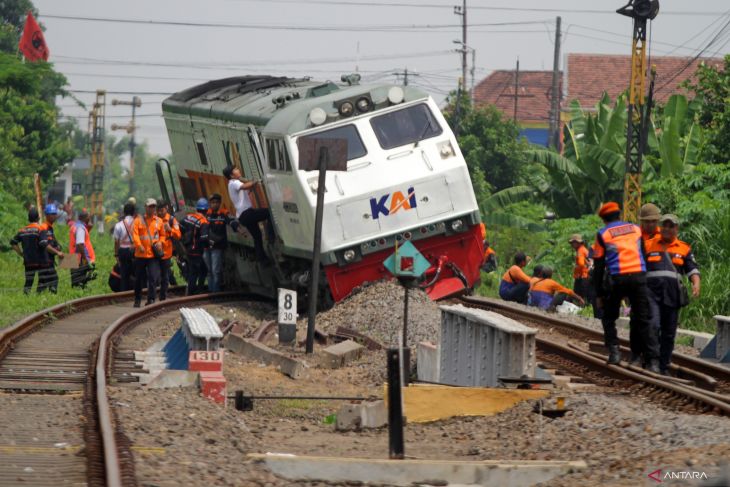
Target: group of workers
x: 36, y: 243
x: 641, y: 264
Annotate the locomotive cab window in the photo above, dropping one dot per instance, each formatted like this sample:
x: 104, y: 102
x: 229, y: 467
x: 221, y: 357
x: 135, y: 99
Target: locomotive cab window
x: 406, y: 126
x: 201, y: 152
x: 277, y: 155
x: 355, y: 147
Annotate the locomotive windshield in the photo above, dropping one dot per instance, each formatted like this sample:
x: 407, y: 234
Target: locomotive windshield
x: 405, y: 126
x: 355, y: 147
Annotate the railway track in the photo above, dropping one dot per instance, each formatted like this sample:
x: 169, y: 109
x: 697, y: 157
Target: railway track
x: 699, y: 386
x: 59, y: 360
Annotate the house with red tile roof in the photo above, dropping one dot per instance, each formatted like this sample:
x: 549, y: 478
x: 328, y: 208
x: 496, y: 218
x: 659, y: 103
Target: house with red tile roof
x: 585, y: 78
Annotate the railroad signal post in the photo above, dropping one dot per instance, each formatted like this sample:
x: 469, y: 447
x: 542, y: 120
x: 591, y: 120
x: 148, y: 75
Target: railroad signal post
x: 320, y: 155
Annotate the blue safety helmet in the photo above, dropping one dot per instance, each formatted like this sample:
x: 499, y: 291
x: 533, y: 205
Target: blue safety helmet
x: 51, y: 209
x: 202, y: 204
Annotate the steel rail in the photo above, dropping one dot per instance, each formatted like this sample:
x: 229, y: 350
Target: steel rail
x: 621, y: 373
x: 716, y: 371
x: 111, y: 451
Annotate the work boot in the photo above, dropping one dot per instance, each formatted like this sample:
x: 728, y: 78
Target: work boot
x: 653, y: 366
x: 137, y: 303
x: 614, y: 355
x: 149, y: 301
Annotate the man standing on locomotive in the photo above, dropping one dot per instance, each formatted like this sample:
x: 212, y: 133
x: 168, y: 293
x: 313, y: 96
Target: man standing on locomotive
x: 247, y: 215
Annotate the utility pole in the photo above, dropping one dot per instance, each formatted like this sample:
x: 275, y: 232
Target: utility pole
x: 554, y: 138
x: 473, y: 68
x: 517, y: 87
x: 406, y: 75
x: 461, y: 11
x: 131, y: 129
x: 96, y: 139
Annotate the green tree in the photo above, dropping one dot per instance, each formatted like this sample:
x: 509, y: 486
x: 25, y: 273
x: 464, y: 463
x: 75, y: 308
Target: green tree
x: 713, y: 88
x: 12, y: 21
x: 31, y: 140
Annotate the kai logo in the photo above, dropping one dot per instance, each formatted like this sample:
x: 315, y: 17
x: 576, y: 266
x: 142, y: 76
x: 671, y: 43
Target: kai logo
x: 391, y: 203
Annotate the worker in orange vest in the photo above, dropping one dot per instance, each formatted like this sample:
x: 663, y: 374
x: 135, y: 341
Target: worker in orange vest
x: 148, y: 250
x: 52, y: 249
x: 515, y: 284
x: 34, y: 257
x: 582, y: 266
x: 489, y: 262
x: 79, y: 243
x: 196, y: 238
x: 170, y: 232
x: 545, y: 293
x: 618, y: 254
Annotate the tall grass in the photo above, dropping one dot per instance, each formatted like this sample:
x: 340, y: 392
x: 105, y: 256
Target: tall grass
x: 15, y: 305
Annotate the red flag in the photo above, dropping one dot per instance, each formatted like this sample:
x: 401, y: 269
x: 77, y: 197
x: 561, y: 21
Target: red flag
x: 32, y: 43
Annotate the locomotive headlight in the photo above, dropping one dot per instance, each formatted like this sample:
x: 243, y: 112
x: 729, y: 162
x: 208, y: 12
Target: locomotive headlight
x: 349, y: 255
x: 346, y: 109
x: 363, y: 104
x: 317, y: 116
x: 396, y: 95
x: 457, y: 225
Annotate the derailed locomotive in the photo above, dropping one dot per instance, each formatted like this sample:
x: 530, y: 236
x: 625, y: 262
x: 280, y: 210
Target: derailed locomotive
x: 406, y: 179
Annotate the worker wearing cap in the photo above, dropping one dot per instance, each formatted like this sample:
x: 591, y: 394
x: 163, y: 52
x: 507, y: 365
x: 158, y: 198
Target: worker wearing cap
x: 581, y: 267
x: 196, y: 239
x: 80, y: 244
x: 649, y: 218
x: 48, y: 276
x: 34, y: 258
x: 515, y: 284
x: 546, y: 293
x: 219, y: 220
x: 124, y: 246
x: 618, y: 254
x: 667, y: 258
x: 148, y: 250
x: 170, y: 232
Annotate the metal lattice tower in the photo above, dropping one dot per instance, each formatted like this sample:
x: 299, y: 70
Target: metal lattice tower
x: 96, y: 172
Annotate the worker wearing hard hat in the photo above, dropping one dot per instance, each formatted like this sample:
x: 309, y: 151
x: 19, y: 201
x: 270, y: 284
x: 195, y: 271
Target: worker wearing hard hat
x: 618, y: 254
x: 649, y: 218
x: 667, y: 258
x: 196, y: 239
x: 49, y: 243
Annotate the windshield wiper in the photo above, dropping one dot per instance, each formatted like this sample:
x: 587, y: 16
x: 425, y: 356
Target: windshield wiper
x: 425, y: 130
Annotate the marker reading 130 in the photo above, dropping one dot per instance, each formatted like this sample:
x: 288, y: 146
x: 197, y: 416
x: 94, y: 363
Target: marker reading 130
x: 287, y: 306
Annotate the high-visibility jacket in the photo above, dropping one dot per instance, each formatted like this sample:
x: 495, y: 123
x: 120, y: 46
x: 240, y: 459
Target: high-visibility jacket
x: 168, y: 237
x: 146, y: 232
x: 48, y: 238
x: 619, y: 246
x: 488, y: 253
x: 28, y: 238
x: 650, y: 235
x: 511, y: 278
x: 90, y: 255
x: 195, y: 234
x: 582, y: 263
x: 543, y: 291
x: 665, y: 262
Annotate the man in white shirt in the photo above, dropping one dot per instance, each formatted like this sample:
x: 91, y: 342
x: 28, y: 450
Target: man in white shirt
x: 248, y: 216
x: 124, y: 248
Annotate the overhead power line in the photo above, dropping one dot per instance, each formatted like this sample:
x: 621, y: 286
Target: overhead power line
x: 400, y: 28
x: 609, y: 11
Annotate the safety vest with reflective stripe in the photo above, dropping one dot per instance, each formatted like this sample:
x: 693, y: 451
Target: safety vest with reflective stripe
x: 173, y: 234
x: 146, y: 233
x: 90, y: 256
x: 620, y: 243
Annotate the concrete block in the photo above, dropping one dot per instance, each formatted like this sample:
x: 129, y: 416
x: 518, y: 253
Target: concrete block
x: 722, y: 344
x: 374, y: 414
x: 354, y: 417
x: 427, y: 362
x: 341, y: 354
x: 174, y: 378
x: 213, y: 386
x: 200, y: 329
x: 415, y: 472
x: 699, y: 339
x: 261, y: 353
x: 478, y: 347
x: 349, y: 418
x: 203, y: 361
